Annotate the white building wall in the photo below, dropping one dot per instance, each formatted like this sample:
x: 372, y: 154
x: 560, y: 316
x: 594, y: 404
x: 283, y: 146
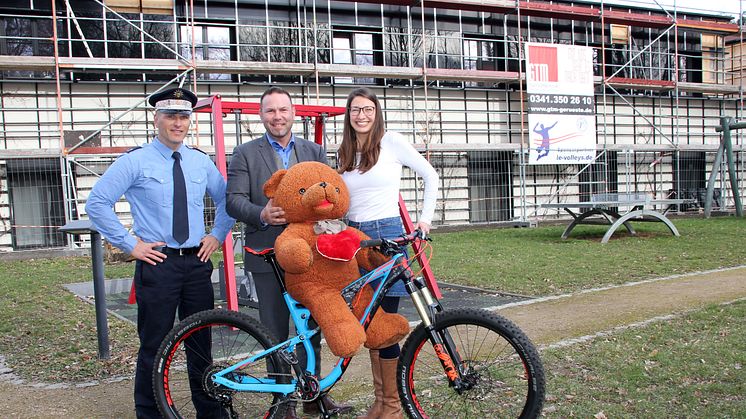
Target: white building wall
x: 471, y: 119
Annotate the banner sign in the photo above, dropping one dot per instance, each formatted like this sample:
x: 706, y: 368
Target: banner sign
x: 561, y: 104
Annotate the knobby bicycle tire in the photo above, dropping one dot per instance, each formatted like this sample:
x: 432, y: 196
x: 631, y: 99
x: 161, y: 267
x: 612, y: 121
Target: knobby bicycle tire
x: 498, y: 363
x: 214, y: 340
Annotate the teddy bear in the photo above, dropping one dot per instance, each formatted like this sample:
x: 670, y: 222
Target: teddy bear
x: 320, y: 256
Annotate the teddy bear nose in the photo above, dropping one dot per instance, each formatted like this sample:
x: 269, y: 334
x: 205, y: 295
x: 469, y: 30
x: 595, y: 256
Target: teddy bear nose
x: 322, y: 184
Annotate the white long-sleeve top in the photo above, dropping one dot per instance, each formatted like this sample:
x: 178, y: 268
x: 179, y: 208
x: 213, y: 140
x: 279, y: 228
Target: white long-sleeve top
x: 375, y: 194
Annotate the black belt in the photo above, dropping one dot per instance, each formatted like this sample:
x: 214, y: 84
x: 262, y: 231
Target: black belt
x: 181, y: 252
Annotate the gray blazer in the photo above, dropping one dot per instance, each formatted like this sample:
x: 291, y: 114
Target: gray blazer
x: 251, y: 165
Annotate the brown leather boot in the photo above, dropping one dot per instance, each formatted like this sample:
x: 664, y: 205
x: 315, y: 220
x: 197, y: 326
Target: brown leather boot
x: 375, y: 366
x: 290, y: 413
x: 391, y: 403
x: 332, y: 407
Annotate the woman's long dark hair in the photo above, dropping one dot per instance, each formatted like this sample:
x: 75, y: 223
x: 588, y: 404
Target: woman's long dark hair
x: 349, y: 147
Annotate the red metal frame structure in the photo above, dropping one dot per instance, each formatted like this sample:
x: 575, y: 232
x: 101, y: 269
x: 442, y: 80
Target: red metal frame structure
x: 219, y: 109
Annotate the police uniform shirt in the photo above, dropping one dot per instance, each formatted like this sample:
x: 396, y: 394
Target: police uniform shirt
x: 144, y: 176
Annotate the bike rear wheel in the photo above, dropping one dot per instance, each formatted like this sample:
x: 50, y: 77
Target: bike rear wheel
x: 500, y: 369
x: 214, y: 340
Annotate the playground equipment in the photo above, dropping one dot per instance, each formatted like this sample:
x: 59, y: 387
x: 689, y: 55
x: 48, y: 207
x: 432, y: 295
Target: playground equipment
x: 726, y: 147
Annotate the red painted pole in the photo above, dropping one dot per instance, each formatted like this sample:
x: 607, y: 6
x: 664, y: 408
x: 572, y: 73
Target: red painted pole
x: 318, y: 132
x: 231, y: 295
x: 427, y: 273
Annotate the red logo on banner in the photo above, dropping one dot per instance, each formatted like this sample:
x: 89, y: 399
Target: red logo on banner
x: 542, y: 64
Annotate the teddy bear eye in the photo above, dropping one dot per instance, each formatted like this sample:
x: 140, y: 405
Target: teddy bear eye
x: 302, y: 191
x: 336, y: 189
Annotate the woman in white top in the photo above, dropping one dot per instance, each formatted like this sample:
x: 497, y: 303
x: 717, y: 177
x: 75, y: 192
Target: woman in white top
x: 370, y: 161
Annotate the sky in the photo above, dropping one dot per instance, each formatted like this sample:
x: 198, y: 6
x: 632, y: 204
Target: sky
x: 732, y: 7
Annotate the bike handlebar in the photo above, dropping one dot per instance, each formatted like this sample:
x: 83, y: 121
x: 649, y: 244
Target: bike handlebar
x: 398, y: 241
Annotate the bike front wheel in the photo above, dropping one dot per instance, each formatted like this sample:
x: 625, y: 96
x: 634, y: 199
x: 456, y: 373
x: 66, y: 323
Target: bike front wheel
x: 203, y: 344
x: 499, y: 369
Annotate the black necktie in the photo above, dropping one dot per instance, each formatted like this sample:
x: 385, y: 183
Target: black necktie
x: 181, y: 214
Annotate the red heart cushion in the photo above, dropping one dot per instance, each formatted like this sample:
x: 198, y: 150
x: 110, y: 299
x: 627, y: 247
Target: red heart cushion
x: 341, y: 246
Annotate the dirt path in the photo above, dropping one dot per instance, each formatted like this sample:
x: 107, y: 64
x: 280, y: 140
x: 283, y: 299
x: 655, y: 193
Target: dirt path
x: 588, y: 312
x: 546, y: 321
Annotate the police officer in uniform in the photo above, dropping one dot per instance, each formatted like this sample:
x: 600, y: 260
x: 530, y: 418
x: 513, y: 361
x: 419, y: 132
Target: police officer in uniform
x: 165, y: 183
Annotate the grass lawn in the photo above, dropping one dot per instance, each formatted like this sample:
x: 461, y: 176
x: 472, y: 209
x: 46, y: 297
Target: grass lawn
x: 538, y: 262
x: 46, y: 334
x: 692, y: 366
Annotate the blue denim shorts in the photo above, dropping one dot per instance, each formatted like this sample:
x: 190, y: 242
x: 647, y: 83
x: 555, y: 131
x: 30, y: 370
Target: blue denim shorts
x: 385, y: 228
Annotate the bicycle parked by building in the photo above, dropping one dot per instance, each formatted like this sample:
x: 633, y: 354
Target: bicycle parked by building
x: 457, y: 363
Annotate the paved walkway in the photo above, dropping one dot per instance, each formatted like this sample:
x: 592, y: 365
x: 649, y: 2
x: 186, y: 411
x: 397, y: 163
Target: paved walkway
x: 553, y: 319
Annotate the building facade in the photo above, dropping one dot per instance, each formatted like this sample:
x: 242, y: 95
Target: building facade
x: 74, y: 75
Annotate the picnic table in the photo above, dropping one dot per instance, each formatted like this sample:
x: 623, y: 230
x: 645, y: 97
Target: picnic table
x: 602, y: 210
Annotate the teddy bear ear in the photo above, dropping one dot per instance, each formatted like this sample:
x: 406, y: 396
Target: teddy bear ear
x: 270, y: 186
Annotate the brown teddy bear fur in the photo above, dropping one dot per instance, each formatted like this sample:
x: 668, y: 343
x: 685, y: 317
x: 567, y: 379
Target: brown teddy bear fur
x: 310, y: 192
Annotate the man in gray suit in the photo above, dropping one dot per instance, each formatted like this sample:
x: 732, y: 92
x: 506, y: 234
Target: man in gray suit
x: 251, y: 165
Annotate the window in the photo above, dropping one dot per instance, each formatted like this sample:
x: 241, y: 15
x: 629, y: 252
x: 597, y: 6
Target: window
x: 161, y: 28
x: 562, y: 31
x: 480, y: 54
x: 122, y: 39
x: 253, y: 43
x: 490, y: 186
x: 21, y: 36
x: 210, y: 43
x: 712, y: 59
x: 690, y: 61
x: 25, y: 36
x: 353, y: 48
x: 448, y: 51
x: 512, y: 55
x: 285, y: 42
x: 632, y: 55
x: 477, y: 55
x: 36, y: 204
x: 617, y: 57
x: 88, y: 41
x: 398, y: 46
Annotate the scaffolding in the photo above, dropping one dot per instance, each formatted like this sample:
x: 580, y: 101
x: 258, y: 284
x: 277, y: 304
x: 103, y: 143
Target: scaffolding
x: 450, y: 76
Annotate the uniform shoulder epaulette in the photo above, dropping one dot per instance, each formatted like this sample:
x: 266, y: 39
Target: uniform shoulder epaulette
x: 196, y: 149
x: 129, y: 151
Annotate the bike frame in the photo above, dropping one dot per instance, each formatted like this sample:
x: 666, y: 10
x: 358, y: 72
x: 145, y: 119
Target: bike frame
x: 300, y: 384
x: 388, y: 273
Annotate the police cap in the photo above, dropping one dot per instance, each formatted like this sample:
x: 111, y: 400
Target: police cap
x: 173, y: 101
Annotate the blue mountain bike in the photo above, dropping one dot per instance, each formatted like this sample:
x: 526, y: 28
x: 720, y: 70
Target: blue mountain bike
x: 457, y: 363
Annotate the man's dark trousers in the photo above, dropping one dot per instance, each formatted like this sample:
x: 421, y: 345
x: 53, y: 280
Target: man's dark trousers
x: 179, y: 282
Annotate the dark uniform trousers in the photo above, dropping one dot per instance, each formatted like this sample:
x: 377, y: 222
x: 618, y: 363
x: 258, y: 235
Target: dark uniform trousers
x: 183, y: 283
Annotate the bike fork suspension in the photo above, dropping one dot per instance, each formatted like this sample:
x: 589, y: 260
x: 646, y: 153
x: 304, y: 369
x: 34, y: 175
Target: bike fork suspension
x: 427, y: 306
x: 423, y: 300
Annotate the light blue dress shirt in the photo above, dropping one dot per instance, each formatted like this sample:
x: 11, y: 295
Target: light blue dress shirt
x: 145, y: 177
x: 283, y: 152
